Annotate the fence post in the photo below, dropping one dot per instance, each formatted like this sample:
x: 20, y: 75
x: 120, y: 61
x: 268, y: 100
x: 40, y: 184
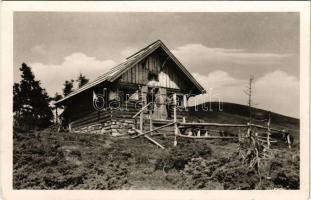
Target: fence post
x: 288, y: 141
x: 239, y: 135
x: 141, y: 118
x: 150, y: 118
x: 56, y: 115
x: 143, y: 103
x: 248, y: 133
x: 268, y: 131
x: 70, y: 127
x: 175, y: 119
x: 141, y: 115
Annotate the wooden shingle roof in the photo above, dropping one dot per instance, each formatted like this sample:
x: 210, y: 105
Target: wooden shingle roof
x: 131, y: 61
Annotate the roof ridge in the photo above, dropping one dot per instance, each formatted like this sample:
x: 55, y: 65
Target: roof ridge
x: 141, y: 50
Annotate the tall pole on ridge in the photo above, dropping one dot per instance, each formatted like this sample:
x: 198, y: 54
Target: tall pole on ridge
x: 248, y: 92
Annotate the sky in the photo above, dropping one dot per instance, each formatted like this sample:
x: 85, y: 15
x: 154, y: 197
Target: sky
x: 221, y: 50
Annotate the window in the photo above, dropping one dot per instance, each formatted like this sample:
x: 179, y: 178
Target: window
x: 153, y: 77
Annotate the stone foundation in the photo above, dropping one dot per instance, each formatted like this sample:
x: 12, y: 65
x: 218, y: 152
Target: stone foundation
x: 114, y: 127
x: 121, y: 126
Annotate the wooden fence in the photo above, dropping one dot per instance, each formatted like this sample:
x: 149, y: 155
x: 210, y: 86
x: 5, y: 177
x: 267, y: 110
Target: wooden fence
x: 196, y: 125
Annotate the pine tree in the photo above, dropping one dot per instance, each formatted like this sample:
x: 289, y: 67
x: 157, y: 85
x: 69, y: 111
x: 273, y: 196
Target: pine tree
x: 31, y: 102
x: 17, y: 100
x: 82, y: 80
x: 68, y: 87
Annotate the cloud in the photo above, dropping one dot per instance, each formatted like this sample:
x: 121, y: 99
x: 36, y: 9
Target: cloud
x: 280, y: 91
x: 52, y: 76
x: 276, y: 91
x: 220, y: 86
x: 128, y: 51
x: 217, y: 54
x: 217, y: 79
x: 237, y: 62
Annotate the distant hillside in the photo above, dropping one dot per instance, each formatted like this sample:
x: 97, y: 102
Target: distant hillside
x: 237, y: 113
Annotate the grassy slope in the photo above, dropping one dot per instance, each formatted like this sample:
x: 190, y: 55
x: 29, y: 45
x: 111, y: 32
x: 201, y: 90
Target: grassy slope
x: 51, y: 160
x: 70, y: 161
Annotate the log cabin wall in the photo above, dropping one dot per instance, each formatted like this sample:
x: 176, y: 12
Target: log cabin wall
x: 81, y: 114
x: 114, y: 119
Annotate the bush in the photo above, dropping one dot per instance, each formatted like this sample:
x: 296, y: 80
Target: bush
x: 280, y: 171
x: 112, y: 175
x: 285, y: 172
x: 218, y: 174
x: 199, y: 172
x: 178, y: 157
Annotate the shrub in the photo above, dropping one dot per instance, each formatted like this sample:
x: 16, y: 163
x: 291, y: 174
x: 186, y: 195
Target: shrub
x: 112, y: 175
x: 177, y: 158
x: 285, y: 174
x: 218, y: 174
x: 198, y: 173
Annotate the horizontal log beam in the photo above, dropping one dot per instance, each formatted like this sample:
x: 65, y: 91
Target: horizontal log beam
x: 273, y: 141
x: 226, y: 125
x: 90, y: 119
x: 211, y: 124
x: 94, y: 113
x: 208, y: 137
x: 170, y: 124
x: 264, y: 127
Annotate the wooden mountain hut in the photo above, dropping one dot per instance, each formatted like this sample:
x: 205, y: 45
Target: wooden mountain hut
x: 147, y: 78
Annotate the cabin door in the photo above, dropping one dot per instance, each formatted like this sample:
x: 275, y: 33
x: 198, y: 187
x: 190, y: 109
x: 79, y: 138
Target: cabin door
x: 159, y: 108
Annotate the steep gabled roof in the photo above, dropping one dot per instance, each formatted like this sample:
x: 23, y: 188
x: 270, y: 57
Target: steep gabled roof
x: 131, y: 61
